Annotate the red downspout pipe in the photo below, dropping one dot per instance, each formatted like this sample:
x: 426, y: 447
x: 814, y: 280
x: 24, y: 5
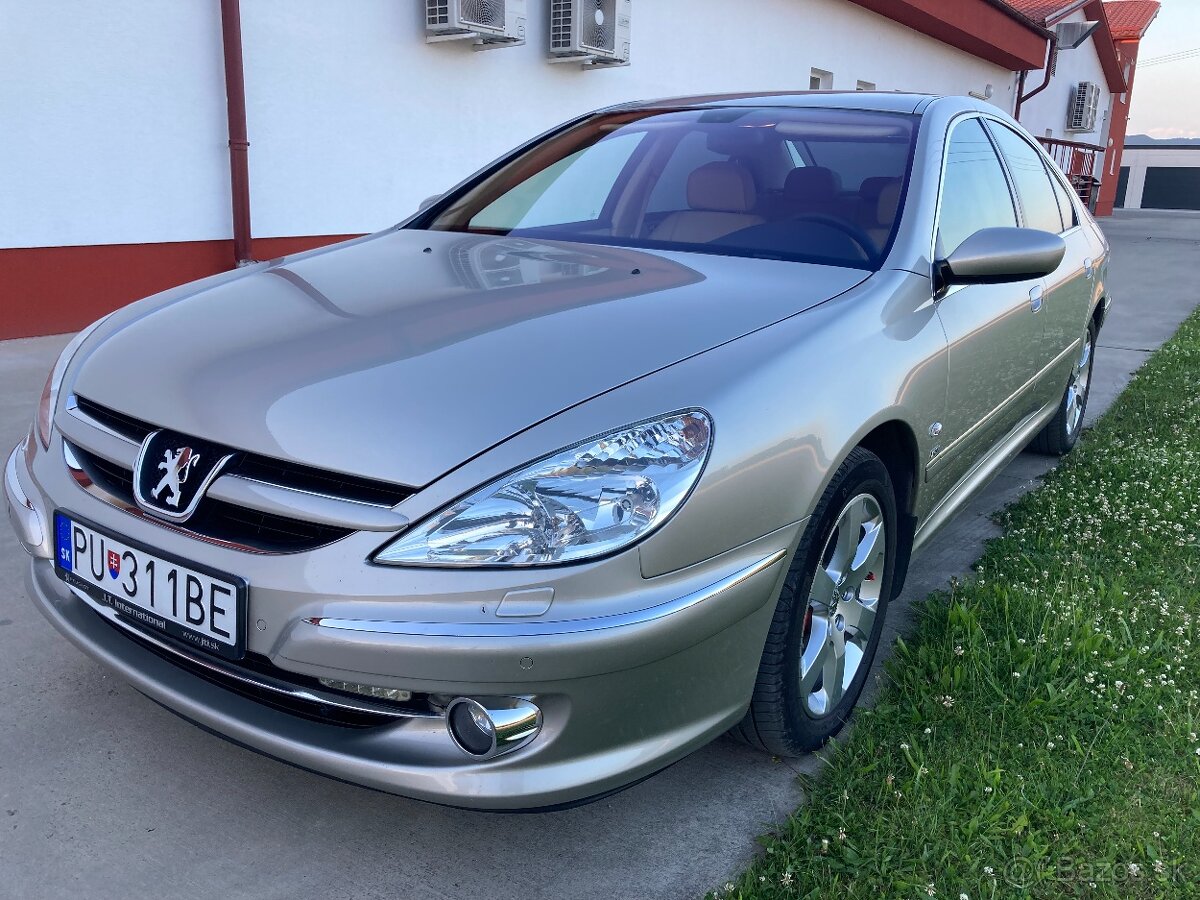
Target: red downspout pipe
x: 1051, y: 59
x: 239, y: 143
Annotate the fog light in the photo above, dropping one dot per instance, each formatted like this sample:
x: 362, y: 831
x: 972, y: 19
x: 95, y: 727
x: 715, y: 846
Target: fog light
x: 492, y: 726
x: 367, y: 690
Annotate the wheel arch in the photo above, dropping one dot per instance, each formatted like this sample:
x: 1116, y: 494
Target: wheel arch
x: 895, y: 443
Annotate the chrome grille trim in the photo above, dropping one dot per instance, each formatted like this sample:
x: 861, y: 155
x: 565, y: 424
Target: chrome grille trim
x: 310, y: 506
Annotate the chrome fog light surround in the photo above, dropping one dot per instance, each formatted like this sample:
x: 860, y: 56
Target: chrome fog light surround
x: 488, y: 727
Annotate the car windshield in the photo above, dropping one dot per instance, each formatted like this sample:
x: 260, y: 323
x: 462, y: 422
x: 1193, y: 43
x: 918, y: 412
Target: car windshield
x: 803, y: 184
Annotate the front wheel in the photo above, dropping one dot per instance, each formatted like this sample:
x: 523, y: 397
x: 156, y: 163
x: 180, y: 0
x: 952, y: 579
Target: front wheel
x: 1061, y: 432
x: 829, y: 617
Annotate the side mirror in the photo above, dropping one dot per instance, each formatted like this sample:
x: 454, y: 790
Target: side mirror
x: 428, y: 202
x: 1001, y: 255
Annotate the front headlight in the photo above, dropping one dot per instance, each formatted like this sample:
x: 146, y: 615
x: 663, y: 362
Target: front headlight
x: 49, y: 401
x: 588, y: 500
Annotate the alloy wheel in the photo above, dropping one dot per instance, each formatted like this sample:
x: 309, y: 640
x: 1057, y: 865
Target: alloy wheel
x: 840, y: 617
x: 1077, y: 388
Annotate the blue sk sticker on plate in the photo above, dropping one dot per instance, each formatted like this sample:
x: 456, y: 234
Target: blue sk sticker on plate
x: 62, y: 528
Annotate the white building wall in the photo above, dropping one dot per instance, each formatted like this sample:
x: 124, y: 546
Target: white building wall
x: 352, y: 118
x: 112, y: 122
x: 1046, y: 114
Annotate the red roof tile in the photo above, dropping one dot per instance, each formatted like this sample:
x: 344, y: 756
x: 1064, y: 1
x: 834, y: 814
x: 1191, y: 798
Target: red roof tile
x: 1038, y: 10
x: 1129, y: 19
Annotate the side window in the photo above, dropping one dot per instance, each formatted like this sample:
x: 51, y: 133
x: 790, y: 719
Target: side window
x: 1065, y: 207
x: 1038, y: 201
x: 975, y: 192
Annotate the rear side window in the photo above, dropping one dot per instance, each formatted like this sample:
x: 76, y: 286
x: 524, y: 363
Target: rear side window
x: 975, y: 192
x: 1038, y: 202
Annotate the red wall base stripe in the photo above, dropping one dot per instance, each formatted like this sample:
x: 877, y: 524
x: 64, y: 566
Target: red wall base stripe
x: 51, y: 290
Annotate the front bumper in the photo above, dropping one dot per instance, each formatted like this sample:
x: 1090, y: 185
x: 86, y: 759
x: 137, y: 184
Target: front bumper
x: 621, y: 695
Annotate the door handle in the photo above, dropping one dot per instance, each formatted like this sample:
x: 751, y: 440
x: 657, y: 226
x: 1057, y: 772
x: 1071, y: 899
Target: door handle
x: 1088, y: 270
x: 1035, y: 298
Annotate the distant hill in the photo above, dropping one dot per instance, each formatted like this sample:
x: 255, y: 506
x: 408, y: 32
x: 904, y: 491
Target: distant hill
x: 1144, y: 140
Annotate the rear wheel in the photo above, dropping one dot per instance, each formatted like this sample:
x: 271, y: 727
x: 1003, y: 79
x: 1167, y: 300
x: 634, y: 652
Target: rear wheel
x: 829, y: 617
x: 1061, y: 432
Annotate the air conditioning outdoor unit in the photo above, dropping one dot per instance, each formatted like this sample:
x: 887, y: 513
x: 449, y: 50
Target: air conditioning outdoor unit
x: 1081, y: 114
x: 490, y: 23
x: 591, y: 32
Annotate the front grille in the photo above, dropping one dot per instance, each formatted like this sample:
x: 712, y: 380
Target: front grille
x: 262, y: 531
x: 227, y: 522
x: 126, y: 426
x: 318, y: 481
x: 266, y: 468
x: 217, y: 520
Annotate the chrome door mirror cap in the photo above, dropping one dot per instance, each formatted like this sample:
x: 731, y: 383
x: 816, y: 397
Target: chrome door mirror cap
x: 1001, y: 255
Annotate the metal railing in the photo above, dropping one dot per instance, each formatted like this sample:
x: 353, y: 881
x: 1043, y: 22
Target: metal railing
x: 1080, y: 162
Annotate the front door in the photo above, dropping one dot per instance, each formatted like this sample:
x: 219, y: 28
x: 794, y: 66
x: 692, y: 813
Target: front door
x: 994, y: 331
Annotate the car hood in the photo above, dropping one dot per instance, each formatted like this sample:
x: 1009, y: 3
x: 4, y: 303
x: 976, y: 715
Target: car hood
x: 402, y: 355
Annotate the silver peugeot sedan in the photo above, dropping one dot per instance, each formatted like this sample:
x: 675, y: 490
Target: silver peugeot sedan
x: 623, y: 443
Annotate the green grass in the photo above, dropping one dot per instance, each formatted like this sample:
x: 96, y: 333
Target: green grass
x: 1037, y: 734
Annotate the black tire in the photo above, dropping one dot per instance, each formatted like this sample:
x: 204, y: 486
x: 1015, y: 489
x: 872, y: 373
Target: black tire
x: 779, y: 721
x: 1059, y: 436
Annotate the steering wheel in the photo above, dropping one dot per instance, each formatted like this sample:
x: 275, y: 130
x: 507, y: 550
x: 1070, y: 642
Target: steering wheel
x: 856, y: 234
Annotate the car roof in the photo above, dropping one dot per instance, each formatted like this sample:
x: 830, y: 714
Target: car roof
x: 876, y: 101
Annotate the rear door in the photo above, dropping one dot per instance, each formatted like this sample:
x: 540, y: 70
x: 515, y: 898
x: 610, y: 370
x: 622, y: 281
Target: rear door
x: 993, y: 330
x: 1067, y: 300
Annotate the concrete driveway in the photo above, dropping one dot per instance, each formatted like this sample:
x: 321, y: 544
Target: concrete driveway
x: 105, y: 794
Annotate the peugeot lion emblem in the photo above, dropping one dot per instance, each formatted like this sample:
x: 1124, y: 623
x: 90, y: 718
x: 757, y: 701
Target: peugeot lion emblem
x: 173, y: 472
x: 176, y: 465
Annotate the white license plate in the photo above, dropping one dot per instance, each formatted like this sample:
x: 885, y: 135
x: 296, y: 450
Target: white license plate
x: 200, y: 607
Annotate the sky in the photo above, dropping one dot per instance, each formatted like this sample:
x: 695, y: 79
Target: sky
x: 1166, y: 96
